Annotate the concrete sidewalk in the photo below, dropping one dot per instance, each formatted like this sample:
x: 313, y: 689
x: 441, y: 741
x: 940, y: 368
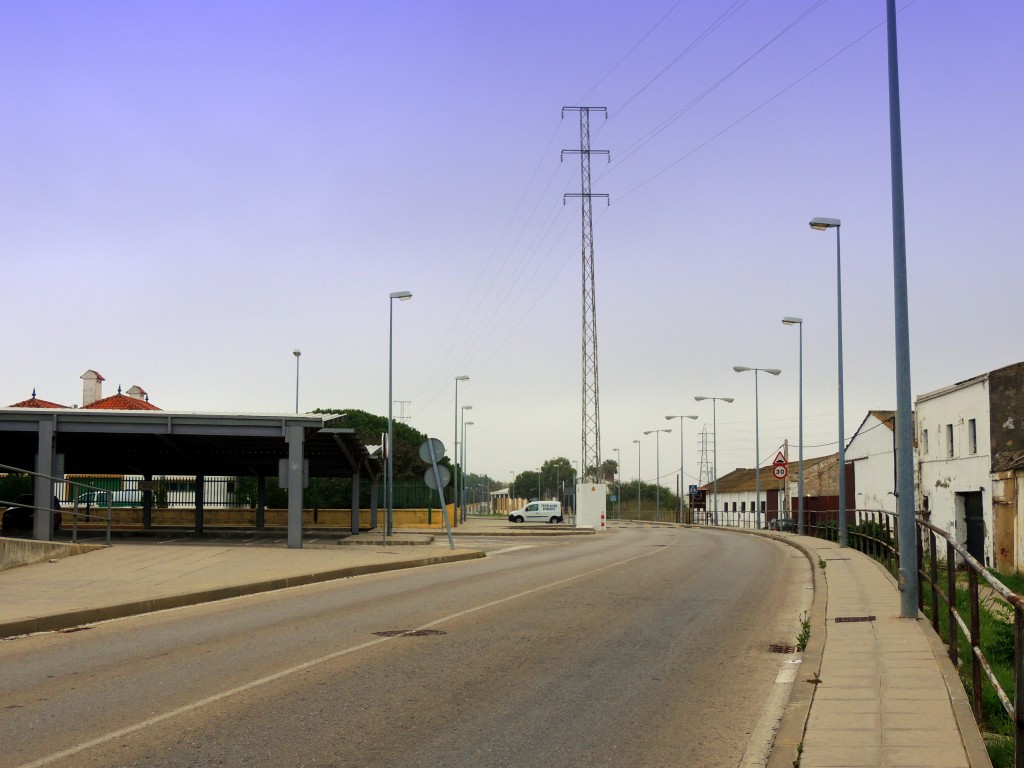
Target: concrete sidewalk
x: 132, y: 578
x: 875, y: 692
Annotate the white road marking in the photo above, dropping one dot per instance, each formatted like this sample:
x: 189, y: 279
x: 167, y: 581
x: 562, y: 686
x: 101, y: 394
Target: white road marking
x: 204, y: 702
x: 762, y: 737
x: 510, y: 549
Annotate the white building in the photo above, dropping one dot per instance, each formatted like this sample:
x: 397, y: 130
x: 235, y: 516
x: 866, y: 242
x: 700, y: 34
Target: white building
x: 954, y: 463
x: 872, y: 453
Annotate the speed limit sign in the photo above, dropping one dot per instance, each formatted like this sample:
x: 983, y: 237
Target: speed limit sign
x: 781, y: 471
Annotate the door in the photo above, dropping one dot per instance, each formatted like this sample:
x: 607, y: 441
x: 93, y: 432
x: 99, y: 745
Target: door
x: 974, y: 517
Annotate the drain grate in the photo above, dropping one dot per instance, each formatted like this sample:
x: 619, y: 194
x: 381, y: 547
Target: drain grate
x: 777, y: 648
x: 851, y: 619
x: 410, y: 633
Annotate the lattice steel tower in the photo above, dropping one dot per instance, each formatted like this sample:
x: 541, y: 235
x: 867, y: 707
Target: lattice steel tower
x: 591, y: 402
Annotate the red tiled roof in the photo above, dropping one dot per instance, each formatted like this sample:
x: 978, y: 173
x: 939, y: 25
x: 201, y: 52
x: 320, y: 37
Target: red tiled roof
x: 35, y: 402
x: 121, y: 402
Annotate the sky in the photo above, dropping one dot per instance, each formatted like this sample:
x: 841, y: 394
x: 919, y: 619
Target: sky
x: 189, y: 191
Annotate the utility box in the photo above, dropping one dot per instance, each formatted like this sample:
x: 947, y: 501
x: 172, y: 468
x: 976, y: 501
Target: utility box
x: 591, y: 503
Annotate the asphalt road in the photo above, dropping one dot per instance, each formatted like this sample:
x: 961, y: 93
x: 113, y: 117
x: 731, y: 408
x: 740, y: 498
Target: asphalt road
x: 641, y: 647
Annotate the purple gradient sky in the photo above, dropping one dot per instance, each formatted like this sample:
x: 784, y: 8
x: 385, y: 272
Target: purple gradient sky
x: 190, y: 190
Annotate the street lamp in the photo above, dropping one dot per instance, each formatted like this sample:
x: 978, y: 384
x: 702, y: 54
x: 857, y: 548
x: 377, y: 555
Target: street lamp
x: 800, y: 471
x: 465, y: 424
x: 460, y: 501
x: 455, y: 452
x: 682, y: 477
x: 618, y: 484
x: 297, y: 353
x: 401, y: 296
x: 638, y: 478
x: 714, y: 440
x: 757, y: 437
x: 821, y: 224
x: 657, y: 470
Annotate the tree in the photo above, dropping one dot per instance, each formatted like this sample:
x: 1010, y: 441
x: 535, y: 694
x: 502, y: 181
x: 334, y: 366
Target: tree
x: 608, y: 470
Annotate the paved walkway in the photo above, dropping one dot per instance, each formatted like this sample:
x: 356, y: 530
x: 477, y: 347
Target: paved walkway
x: 888, y: 695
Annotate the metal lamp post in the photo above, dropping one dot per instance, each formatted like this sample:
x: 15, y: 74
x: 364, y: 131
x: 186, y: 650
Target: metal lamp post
x: 800, y: 470
x: 820, y: 223
x: 460, y: 498
x: 757, y: 437
x: 465, y: 424
x: 455, y: 452
x: 618, y: 484
x: 298, y: 354
x: 657, y: 470
x: 638, y: 471
x: 389, y: 491
x: 682, y: 477
x: 714, y: 439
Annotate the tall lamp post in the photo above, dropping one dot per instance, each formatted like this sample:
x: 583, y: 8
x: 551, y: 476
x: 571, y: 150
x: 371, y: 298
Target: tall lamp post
x: 460, y: 498
x: 757, y: 437
x: 682, y: 477
x: 821, y: 224
x: 298, y: 354
x: 638, y: 471
x: 455, y: 451
x: 714, y: 440
x: 465, y: 424
x: 401, y: 296
x: 657, y: 470
x: 618, y: 484
x: 800, y: 470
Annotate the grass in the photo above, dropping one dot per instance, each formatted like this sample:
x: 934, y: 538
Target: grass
x: 805, y: 632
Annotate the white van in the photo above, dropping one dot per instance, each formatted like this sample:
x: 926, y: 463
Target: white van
x: 538, y: 511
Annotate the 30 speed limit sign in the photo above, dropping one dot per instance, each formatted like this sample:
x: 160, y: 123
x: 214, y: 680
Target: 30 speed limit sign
x: 781, y: 471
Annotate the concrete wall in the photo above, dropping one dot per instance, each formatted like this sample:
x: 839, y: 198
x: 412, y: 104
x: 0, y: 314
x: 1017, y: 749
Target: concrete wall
x: 15, y: 552
x: 131, y: 517
x: 940, y: 476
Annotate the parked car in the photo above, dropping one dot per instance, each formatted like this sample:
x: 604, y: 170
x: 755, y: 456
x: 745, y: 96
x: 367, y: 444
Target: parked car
x: 538, y: 511
x: 785, y: 524
x: 21, y: 516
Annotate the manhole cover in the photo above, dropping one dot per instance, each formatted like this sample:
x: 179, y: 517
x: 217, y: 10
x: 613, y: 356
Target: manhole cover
x: 850, y: 619
x: 776, y: 648
x: 409, y: 632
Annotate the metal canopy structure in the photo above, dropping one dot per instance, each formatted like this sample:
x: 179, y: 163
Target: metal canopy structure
x: 151, y: 443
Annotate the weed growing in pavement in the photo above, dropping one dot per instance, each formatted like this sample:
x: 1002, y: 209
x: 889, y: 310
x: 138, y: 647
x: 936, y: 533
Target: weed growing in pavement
x: 805, y: 632
x: 799, y: 754
x: 821, y: 563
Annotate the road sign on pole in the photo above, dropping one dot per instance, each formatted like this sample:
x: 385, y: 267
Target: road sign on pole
x: 780, y: 459
x: 781, y: 471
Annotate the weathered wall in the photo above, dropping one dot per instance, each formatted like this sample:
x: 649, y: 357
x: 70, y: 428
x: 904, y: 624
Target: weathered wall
x: 874, y: 466
x: 15, y: 552
x: 1007, y: 399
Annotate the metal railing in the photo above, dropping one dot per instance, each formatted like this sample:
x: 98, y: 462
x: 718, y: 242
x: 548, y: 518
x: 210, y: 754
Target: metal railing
x: 875, y: 532
x: 61, y: 485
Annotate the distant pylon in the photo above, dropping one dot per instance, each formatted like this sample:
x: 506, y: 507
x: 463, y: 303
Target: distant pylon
x: 704, y: 474
x: 591, y: 421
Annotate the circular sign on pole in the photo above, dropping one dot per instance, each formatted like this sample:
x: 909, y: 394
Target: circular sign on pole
x: 442, y: 471
x: 438, y: 450
x: 781, y: 471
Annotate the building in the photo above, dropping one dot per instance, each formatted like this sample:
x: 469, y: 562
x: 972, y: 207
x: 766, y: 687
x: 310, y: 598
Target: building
x: 871, y: 463
x: 969, y: 454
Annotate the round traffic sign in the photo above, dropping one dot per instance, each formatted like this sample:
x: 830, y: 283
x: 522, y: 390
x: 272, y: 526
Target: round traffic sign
x: 442, y: 470
x: 781, y: 471
x: 425, y: 449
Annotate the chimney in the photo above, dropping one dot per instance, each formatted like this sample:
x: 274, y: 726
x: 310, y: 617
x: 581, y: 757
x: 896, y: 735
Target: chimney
x: 138, y: 393
x: 92, y: 387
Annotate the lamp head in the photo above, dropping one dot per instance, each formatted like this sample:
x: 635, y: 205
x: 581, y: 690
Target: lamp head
x: 401, y: 295
x: 821, y: 223
x: 727, y: 399
x: 636, y: 441
x: 792, y: 321
x: 698, y: 398
x: 467, y: 407
x: 772, y: 371
x: 296, y: 352
x: 469, y: 424
x: 741, y: 368
x: 649, y: 431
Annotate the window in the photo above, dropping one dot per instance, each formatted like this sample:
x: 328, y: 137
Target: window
x: 972, y: 436
x: 924, y: 441
x: 743, y: 506
x: 949, y: 441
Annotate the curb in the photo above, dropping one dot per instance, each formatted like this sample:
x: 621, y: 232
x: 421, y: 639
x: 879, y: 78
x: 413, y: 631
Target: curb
x: 70, y: 619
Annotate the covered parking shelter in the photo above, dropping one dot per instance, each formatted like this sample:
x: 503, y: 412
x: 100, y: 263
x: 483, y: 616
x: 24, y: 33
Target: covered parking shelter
x: 293, y: 448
